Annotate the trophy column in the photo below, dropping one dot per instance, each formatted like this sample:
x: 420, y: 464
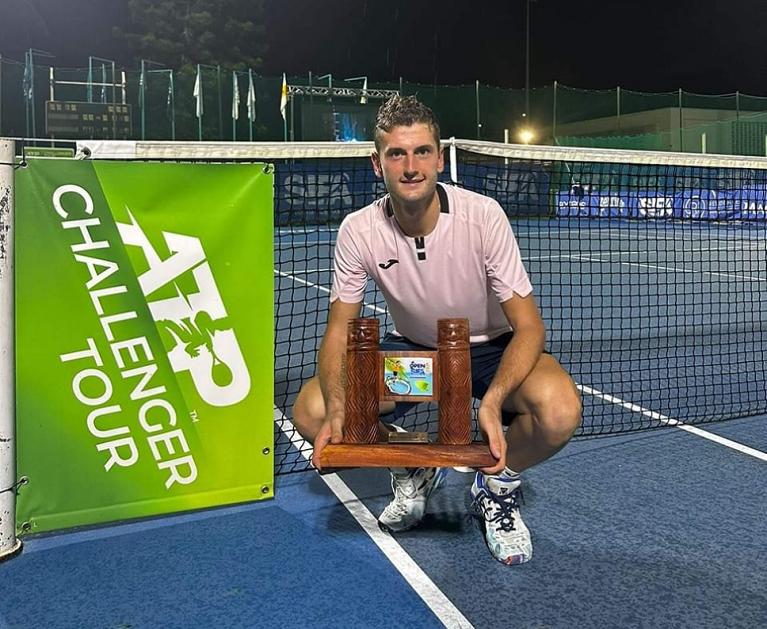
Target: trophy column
x: 455, y: 381
x: 362, y: 381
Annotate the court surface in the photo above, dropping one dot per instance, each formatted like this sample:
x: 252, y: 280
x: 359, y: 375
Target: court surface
x: 663, y: 528
x: 659, y: 529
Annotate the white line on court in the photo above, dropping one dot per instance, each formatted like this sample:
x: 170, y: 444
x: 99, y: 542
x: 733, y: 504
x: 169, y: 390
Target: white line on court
x: 435, y: 599
x: 628, y: 405
x: 372, y: 307
x: 669, y: 421
x: 673, y: 269
x: 602, y: 254
x: 303, y: 272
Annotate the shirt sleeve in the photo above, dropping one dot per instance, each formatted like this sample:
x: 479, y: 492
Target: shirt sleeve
x: 503, y: 260
x: 349, y: 274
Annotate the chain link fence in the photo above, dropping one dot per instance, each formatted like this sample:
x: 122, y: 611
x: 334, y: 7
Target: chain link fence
x: 163, y: 104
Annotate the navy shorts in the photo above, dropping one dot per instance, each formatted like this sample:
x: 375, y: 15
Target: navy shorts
x: 485, y: 358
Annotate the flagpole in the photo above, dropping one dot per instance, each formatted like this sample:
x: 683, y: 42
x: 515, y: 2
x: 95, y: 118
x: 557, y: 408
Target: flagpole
x: 199, y: 99
x: 250, y: 104
x: 172, y: 94
x: 283, y: 105
x: 235, y: 105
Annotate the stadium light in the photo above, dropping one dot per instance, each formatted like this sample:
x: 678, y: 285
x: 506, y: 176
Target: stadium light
x: 526, y: 135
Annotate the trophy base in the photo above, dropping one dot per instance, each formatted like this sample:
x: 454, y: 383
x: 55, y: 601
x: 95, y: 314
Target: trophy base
x: 475, y: 454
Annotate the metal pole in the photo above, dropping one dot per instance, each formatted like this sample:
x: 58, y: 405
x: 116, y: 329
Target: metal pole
x: 142, y: 99
x: 292, y: 122
x: 681, y: 134
x: 527, y: 61
x: 703, y: 143
x: 199, y: 118
x: 250, y: 121
x: 737, y: 105
x: 479, y: 121
x: 172, y: 107
x: 32, y: 92
x: 400, y: 86
x: 618, y: 107
x: 554, y: 123
x: 89, y: 89
x: 114, y: 88
x: 9, y: 545
x: 220, y: 104
x: 234, y: 121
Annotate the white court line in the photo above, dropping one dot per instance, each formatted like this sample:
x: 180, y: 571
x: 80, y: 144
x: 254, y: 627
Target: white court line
x: 628, y: 405
x: 571, y: 256
x: 673, y: 269
x: 443, y: 608
x: 372, y: 307
x: 669, y: 421
x: 303, y: 271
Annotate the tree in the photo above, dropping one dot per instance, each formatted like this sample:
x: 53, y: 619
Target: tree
x: 181, y: 33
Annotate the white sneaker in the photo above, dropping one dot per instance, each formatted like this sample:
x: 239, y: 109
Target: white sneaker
x: 412, y: 488
x: 495, y: 502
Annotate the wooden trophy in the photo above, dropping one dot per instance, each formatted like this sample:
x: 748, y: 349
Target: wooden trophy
x: 442, y: 376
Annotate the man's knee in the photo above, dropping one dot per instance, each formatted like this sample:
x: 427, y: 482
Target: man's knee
x: 558, y: 414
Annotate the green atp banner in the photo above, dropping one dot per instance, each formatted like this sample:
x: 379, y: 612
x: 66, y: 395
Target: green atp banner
x: 144, y: 331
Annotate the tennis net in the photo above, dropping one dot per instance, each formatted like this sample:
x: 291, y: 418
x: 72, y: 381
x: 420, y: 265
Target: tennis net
x: 650, y: 270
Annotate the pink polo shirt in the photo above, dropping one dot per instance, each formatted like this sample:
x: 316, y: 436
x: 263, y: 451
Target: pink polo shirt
x: 465, y: 267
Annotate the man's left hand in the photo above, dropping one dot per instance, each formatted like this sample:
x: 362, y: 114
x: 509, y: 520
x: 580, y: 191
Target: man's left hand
x: 492, y: 430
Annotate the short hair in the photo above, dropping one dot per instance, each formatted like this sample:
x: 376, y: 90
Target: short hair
x: 404, y: 111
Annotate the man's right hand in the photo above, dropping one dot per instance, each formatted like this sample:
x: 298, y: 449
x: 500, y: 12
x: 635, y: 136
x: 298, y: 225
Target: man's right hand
x: 332, y: 431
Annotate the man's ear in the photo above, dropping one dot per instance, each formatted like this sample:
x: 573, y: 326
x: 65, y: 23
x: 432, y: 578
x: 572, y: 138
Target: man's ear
x: 376, y: 160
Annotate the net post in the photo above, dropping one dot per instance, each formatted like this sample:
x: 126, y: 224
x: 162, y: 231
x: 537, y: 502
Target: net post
x: 454, y: 382
x: 362, y: 394
x: 9, y: 545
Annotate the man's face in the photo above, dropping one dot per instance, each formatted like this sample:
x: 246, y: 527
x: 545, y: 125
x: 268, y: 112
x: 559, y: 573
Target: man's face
x: 409, y: 162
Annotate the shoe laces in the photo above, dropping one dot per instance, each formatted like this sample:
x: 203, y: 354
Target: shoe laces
x: 503, y: 508
x: 404, y: 486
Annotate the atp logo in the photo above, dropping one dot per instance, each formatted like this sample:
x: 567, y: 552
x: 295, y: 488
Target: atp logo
x: 196, y: 323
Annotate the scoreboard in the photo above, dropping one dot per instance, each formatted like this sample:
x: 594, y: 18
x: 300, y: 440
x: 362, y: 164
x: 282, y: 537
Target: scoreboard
x: 93, y: 121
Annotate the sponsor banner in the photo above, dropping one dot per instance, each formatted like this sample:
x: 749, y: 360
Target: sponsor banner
x: 144, y: 328
x: 521, y: 189
x: 325, y: 196
x: 748, y: 203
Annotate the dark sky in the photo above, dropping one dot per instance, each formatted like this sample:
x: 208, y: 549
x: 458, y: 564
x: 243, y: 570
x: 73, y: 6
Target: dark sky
x: 706, y: 46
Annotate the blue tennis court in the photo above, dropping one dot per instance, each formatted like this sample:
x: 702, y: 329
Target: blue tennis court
x: 647, y: 529
x: 659, y: 529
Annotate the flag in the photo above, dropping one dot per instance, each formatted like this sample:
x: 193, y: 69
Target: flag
x: 251, y: 98
x: 284, y: 97
x: 26, y: 85
x: 169, y: 98
x: 198, y: 93
x: 104, y: 84
x: 364, y: 97
x: 235, y: 97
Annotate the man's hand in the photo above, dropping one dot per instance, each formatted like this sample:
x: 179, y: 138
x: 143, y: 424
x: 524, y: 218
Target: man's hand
x: 490, y: 426
x: 332, y: 431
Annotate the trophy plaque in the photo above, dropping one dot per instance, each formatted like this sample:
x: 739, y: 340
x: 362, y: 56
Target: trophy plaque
x: 442, y: 376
